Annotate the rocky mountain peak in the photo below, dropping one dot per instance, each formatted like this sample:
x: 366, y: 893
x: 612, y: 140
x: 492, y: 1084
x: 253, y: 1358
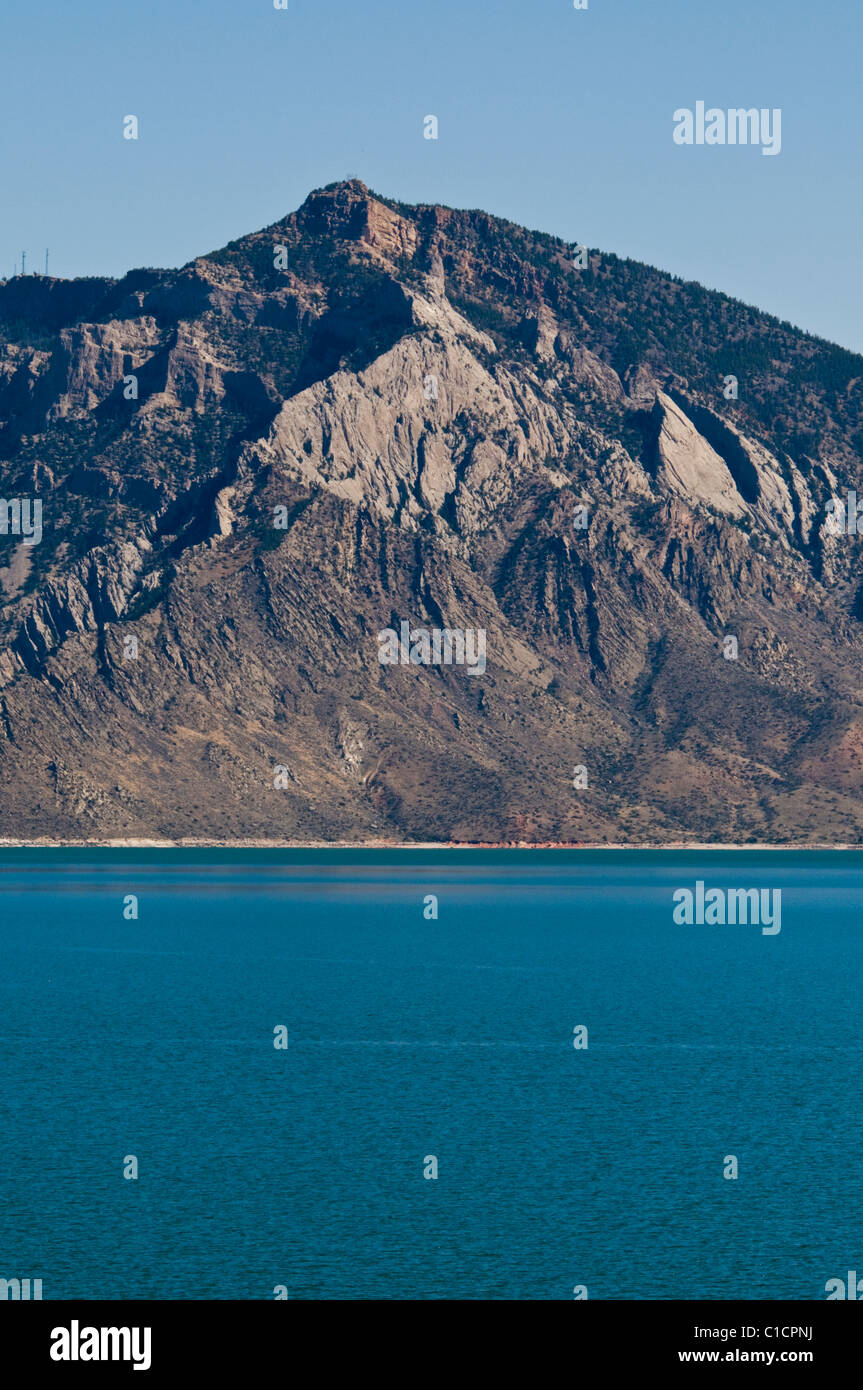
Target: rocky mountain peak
x: 370, y: 414
x: 347, y: 211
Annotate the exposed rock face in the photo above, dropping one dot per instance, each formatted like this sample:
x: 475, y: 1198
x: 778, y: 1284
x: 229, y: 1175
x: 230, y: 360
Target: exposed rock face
x: 371, y: 414
x: 688, y: 464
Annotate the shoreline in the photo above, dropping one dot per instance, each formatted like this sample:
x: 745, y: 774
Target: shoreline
x: 674, y: 846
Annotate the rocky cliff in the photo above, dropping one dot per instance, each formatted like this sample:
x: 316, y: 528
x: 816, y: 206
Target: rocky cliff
x: 370, y: 414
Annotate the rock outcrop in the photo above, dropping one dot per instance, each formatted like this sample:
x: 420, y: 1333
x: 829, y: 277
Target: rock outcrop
x: 252, y: 468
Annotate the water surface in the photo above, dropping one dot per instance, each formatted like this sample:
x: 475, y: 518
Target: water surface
x: 409, y: 1038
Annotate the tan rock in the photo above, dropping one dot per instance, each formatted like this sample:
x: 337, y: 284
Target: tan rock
x: 688, y: 465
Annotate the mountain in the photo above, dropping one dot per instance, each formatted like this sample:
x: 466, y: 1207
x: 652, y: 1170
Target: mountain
x: 370, y: 414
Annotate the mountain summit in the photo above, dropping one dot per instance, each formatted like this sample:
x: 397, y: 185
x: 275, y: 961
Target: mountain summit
x: 406, y: 523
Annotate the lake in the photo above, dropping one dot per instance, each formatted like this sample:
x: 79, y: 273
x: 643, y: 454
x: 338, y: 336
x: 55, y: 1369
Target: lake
x: 413, y: 1038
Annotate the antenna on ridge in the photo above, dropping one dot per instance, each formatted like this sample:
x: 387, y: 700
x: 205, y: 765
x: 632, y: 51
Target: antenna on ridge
x: 46, y: 260
x: 23, y: 262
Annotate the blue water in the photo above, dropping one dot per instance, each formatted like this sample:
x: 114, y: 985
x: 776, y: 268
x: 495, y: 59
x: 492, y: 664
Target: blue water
x: 409, y: 1037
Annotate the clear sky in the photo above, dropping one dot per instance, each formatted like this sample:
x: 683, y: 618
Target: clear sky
x: 557, y: 118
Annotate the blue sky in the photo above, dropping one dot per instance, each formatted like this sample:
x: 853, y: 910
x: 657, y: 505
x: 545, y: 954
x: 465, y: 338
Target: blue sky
x: 555, y: 118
